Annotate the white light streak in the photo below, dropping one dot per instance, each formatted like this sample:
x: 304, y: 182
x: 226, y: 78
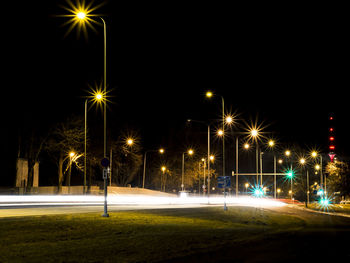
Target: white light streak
x: 115, y: 199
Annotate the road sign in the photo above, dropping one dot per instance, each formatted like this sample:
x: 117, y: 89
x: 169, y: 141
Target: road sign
x: 224, y: 181
x: 104, y: 173
x: 105, y: 162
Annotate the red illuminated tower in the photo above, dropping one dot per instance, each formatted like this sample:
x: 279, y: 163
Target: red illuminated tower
x: 331, y: 139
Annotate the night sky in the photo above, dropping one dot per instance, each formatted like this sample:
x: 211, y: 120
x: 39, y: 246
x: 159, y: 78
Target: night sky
x: 284, y: 66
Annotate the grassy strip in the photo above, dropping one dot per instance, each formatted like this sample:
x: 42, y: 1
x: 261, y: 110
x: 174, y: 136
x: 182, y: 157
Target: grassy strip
x: 134, y: 236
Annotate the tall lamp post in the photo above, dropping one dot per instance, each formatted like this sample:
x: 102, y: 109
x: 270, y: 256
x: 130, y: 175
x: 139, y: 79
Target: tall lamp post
x: 83, y: 17
x: 271, y: 144
x: 290, y: 174
x: 314, y: 154
x: 208, y: 154
x: 97, y: 97
x: 302, y: 162
x: 254, y: 134
x: 189, y: 152
x: 209, y: 94
x: 161, y: 151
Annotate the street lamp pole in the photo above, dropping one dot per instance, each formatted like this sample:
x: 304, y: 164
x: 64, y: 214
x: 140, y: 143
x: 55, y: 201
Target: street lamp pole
x: 208, y: 159
x: 274, y: 175
x: 104, y: 87
x: 261, y: 168
x: 105, y: 214
x: 85, y: 131
x: 183, y: 172
x: 236, y: 166
x: 223, y: 136
x: 161, y: 151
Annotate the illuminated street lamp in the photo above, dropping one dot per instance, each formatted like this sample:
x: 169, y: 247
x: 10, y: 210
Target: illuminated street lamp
x: 161, y: 151
x: 254, y: 134
x: 246, y: 187
x: 271, y: 144
x: 71, y: 156
x: 278, y: 192
x: 163, y: 168
x: 302, y: 162
x: 80, y: 16
x: 96, y: 97
x: 220, y: 133
x: 210, y: 94
x: 318, y: 167
x: 189, y: 152
x: 208, y: 145
x: 229, y: 119
x: 130, y: 141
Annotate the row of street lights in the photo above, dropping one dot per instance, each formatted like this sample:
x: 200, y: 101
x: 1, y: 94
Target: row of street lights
x: 82, y: 16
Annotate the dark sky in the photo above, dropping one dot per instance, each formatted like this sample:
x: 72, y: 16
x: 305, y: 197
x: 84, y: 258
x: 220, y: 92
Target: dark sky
x: 285, y: 65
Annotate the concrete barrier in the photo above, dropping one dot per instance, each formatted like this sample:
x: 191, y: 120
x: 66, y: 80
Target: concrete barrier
x: 135, y: 191
x: 93, y: 190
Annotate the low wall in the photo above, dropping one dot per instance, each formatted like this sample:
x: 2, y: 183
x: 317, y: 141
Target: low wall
x: 135, y: 191
x: 94, y: 190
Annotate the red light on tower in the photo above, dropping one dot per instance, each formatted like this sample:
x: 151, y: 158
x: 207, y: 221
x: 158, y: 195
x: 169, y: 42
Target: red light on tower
x: 331, y: 140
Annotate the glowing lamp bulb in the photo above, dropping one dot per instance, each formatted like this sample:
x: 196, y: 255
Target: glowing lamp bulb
x: 209, y: 94
x: 81, y: 15
x: 229, y: 119
x: 98, y: 96
x: 254, y: 133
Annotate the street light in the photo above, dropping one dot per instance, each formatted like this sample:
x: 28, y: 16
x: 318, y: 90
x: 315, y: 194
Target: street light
x: 220, y: 133
x: 71, y: 156
x: 254, y: 134
x: 189, y: 152
x: 163, y: 168
x: 302, y: 162
x: 246, y: 187
x: 210, y: 94
x: 209, y: 157
x: 80, y: 16
x: 271, y: 144
x: 97, y: 97
x: 278, y: 192
x: 314, y: 154
x: 130, y: 141
x: 161, y: 151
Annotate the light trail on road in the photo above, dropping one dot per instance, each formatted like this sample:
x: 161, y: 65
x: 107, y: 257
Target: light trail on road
x: 69, y: 200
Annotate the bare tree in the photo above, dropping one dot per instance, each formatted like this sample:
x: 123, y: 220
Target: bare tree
x: 66, y: 137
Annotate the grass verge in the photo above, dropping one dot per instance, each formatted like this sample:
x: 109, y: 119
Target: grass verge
x: 136, y: 236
